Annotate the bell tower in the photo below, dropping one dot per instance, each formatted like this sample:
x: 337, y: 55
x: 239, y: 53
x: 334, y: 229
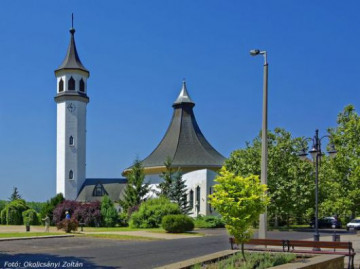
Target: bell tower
x: 71, y: 99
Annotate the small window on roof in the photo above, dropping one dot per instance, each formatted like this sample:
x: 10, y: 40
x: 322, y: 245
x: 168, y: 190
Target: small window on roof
x: 71, y: 84
x: 99, y: 190
x: 71, y: 141
x: 61, y: 85
x: 82, y: 85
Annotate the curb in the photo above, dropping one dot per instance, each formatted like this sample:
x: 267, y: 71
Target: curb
x: 36, y: 237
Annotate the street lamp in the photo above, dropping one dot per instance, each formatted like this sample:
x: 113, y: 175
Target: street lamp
x: 264, y: 144
x: 316, y: 155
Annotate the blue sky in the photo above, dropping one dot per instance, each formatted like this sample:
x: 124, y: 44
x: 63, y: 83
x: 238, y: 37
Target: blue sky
x: 138, y: 52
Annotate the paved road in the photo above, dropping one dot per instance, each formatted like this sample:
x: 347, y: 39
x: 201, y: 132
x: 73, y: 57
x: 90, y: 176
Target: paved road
x: 105, y: 253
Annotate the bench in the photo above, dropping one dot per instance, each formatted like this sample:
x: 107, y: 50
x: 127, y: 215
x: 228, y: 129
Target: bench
x: 263, y: 242
x: 318, y: 245
x: 289, y: 246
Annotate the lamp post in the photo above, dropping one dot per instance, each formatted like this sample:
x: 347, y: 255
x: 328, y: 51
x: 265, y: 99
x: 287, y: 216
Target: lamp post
x: 264, y: 143
x: 316, y: 156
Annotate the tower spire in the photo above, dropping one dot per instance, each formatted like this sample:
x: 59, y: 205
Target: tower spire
x: 184, y: 96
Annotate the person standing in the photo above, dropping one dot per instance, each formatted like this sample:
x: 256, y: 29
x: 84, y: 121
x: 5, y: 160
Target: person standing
x: 47, y: 223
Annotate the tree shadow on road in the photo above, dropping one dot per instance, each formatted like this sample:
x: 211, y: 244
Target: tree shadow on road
x: 47, y: 261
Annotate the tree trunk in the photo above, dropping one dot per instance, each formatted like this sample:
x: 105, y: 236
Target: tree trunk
x: 242, y: 251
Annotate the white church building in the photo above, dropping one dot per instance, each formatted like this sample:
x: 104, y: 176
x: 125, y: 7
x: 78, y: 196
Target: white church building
x: 183, y: 143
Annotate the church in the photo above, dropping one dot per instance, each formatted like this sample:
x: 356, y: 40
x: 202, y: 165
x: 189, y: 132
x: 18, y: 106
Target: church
x: 183, y: 143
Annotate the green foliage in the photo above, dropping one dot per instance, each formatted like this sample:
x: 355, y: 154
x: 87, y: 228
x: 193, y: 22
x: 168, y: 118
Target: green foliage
x: 173, y: 186
x: 177, y: 223
x: 136, y: 190
x: 30, y: 217
x: 2, y: 204
x: 253, y: 260
x: 290, y: 181
x: 152, y: 211
x: 240, y: 201
x: 12, y: 213
x: 123, y: 219
x: 15, y: 195
x: 340, y: 177
x: 209, y: 222
x: 68, y: 225
x: 109, y: 214
x: 48, y: 208
x: 37, y: 206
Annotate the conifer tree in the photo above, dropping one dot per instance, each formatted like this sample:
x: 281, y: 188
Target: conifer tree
x: 166, y: 185
x: 15, y: 195
x: 136, y: 189
x: 178, y: 192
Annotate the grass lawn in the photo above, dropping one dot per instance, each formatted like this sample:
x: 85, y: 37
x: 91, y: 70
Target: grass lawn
x: 27, y: 234
x: 118, y: 229
x: 253, y: 260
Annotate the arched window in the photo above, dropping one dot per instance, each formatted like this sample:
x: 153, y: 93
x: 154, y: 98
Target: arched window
x: 191, y: 199
x: 82, y: 85
x: 99, y: 190
x: 71, y: 84
x: 198, y: 197
x: 61, y: 85
x: 71, y: 174
x: 71, y: 141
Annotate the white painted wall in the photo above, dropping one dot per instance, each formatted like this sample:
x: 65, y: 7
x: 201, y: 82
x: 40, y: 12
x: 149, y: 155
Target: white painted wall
x: 70, y: 157
x: 203, y: 178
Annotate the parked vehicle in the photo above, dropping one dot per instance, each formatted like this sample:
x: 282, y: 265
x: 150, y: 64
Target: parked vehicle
x: 327, y: 222
x: 354, y: 224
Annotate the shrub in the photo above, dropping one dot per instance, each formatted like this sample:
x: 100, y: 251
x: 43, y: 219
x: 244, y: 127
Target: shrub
x: 177, y: 223
x: 109, y: 213
x: 68, y: 225
x: 87, y: 213
x: 209, y: 222
x: 30, y: 217
x: 123, y: 219
x: 152, y: 211
x: 48, y: 208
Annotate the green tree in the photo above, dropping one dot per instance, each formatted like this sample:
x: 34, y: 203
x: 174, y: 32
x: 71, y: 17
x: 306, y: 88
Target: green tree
x: 30, y: 217
x: 240, y: 201
x: 15, y: 195
x: 48, y: 208
x: 12, y: 213
x: 341, y: 175
x: 290, y: 180
x: 178, y: 192
x: 166, y: 185
x: 109, y: 213
x: 136, y: 189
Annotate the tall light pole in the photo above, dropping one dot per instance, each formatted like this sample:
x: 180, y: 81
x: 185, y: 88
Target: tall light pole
x: 316, y: 155
x: 264, y: 143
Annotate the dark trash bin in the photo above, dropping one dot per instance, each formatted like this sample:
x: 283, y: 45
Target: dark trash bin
x: 27, y: 227
x: 336, y: 237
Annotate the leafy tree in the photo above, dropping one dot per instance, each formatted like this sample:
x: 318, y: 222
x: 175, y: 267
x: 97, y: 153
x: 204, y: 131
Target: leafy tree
x: 2, y: 204
x: 48, y: 208
x: 15, y: 195
x: 30, y: 217
x: 37, y: 206
x: 136, y: 190
x: 109, y: 214
x: 341, y: 175
x: 240, y: 201
x: 290, y: 181
x: 12, y: 213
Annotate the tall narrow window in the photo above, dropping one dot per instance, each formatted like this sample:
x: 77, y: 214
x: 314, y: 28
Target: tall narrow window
x: 71, y: 141
x: 82, y: 85
x: 71, y: 84
x: 198, y: 198
x: 61, y: 85
x: 191, y: 199
x: 71, y: 174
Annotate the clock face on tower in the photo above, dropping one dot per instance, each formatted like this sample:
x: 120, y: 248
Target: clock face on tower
x: 71, y: 107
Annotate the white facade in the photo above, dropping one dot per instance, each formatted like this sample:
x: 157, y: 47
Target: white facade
x: 71, y: 134
x: 199, y: 185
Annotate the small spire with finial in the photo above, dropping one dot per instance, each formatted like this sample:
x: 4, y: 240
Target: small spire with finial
x: 72, y: 30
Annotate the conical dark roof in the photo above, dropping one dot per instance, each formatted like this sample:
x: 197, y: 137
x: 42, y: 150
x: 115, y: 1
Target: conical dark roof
x: 72, y: 60
x: 184, y: 142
